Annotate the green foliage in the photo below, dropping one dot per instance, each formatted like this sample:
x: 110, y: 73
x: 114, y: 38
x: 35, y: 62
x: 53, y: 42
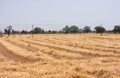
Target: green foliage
x: 24, y: 32
x: 86, y: 29
x: 66, y: 29
x: 116, y: 29
x: 72, y: 29
x: 100, y: 29
x: 37, y: 30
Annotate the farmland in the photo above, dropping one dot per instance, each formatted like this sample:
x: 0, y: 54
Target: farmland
x: 60, y: 56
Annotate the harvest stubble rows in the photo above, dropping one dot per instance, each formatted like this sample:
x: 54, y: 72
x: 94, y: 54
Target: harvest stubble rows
x: 73, y: 49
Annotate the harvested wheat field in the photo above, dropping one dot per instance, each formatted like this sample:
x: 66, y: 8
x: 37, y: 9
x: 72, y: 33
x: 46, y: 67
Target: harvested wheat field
x: 60, y: 56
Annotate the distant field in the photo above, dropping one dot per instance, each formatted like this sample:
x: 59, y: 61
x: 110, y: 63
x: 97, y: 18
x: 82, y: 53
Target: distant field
x: 60, y: 56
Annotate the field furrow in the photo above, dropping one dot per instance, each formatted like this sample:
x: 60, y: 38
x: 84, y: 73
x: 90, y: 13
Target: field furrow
x: 51, y: 52
x: 73, y: 50
x: 60, y: 56
x: 83, y: 45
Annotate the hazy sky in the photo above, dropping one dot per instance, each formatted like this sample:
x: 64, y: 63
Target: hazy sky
x: 55, y: 14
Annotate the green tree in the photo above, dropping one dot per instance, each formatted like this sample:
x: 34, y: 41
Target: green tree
x: 86, y: 29
x: 116, y: 29
x: 100, y: 29
x: 74, y: 29
x: 66, y: 29
x: 37, y: 30
x: 24, y: 32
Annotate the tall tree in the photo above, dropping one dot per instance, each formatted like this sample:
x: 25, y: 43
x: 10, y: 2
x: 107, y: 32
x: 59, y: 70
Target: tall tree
x: 116, y: 29
x: 38, y: 30
x: 66, y: 29
x: 8, y: 30
x: 71, y: 29
x: 74, y: 29
x: 86, y: 29
x: 100, y: 29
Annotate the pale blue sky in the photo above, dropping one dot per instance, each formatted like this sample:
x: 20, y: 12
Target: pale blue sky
x: 55, y: 14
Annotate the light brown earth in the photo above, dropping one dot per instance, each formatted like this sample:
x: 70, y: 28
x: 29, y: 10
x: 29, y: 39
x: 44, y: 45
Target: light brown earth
x: 60, y: 56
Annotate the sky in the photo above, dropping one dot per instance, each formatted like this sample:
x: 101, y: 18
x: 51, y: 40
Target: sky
x: 56, y: 14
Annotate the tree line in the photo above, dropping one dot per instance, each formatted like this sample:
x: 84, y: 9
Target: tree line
x: 70, y: 30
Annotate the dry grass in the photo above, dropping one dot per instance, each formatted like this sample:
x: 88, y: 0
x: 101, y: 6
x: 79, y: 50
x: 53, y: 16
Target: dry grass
x: 60, y: 56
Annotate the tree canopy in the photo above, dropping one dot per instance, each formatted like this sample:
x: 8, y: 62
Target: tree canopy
x: 116, y: 29
x: 67, y: 29
x: 71, y: 29
x: 37, y: 30
x: 86, y: 29
x: 100, y: 29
